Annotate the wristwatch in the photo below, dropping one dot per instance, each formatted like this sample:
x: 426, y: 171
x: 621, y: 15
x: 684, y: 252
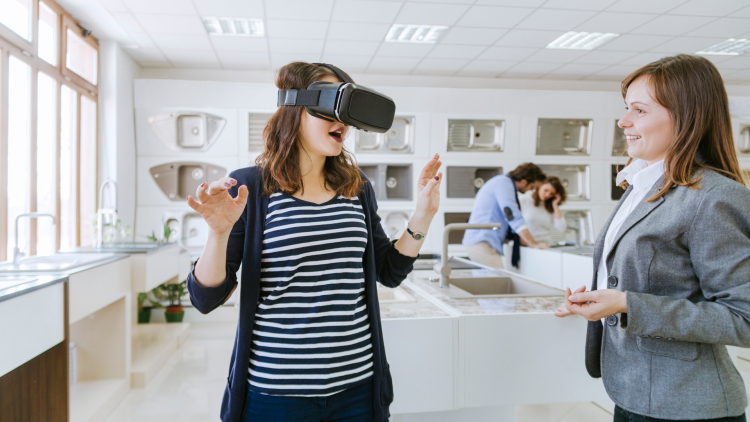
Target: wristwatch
x: 416, y: 236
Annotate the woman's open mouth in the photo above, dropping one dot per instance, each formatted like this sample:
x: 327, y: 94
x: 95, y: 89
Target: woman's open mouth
x: 337, y: 135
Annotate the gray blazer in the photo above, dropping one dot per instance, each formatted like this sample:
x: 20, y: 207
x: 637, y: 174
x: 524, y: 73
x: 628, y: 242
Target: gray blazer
x: 684, y: 263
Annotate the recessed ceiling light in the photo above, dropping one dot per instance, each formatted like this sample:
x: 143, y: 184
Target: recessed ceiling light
x: 582, y: 40
x: 238, y: 27
x: 730, y: 47
x: 425, y: 34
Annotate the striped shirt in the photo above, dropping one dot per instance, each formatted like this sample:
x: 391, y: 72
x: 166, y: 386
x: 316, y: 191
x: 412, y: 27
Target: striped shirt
x: 312, y: 334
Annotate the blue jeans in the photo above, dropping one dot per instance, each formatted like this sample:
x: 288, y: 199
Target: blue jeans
x: 350, y: 405
x: 622, y: 415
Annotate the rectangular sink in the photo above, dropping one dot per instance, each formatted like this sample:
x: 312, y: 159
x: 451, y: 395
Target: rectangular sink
x: 489, y: 283
x: 53, y: 263
x: 397, y: 295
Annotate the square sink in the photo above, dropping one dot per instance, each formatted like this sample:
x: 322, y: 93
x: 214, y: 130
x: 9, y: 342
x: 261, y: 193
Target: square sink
x: 53, y: 263
x: 398, y: 295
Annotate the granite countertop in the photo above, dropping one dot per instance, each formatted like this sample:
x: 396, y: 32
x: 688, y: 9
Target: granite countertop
x: 16, y: 285
x: 422, y: 308
x: 489, y: 305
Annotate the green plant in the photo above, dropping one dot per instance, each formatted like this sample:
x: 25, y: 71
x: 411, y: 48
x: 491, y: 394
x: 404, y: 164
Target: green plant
x: 171, y: 292
x: 112, y: 232
x: 143, y: 298
x: 166, y: 233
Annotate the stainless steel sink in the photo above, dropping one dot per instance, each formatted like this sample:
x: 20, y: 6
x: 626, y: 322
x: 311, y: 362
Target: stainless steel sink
x: 53, y: 263
x: 489, y: 283
x: 397, y: 295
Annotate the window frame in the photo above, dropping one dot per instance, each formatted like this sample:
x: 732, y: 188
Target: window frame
x: 26, y: 51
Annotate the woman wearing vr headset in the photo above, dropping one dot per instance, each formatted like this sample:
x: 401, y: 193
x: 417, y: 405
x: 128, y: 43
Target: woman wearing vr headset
x: 304, y: 226
x: 671, y: 283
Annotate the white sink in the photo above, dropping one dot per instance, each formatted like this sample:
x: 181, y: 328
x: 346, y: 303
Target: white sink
x: 397, y: 295
x: 53, y: 263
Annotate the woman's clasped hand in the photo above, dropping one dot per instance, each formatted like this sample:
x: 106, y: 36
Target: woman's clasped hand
x: 593, y: 305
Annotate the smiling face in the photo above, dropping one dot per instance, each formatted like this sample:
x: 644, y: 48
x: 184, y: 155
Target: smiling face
x: 546, y: 191
x: 647, y: 124
x: 319, y: 137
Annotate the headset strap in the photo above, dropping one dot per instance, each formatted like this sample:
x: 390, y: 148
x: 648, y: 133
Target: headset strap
x: 343, y: 76
x: 296, y: 97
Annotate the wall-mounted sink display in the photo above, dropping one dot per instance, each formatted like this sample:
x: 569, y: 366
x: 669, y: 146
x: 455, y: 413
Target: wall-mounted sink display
x: 399, y: 139
x: 179, y: 179
x: 186, y: 130
x: 390, y: 181
x: 744, y: 140
x: 394, y: 222
x: 464, y: 182
x: 619, y: 143
x: 476, y: 135
x: 189, y: 230
x: 256, y: 124
x: 53, y: 263
x: 575, y: 178
x: 455, y: 237
x: 564, y: 136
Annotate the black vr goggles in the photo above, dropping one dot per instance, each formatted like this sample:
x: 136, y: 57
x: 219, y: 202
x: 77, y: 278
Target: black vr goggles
x: 346, y: 102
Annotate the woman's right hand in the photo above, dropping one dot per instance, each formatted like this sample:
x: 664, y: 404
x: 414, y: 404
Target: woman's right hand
x: 217, y: 206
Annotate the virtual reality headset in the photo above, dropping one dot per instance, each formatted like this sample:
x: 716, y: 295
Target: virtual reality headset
x: 346, y: 102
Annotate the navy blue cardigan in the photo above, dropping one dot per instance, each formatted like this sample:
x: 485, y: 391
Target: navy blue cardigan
x: 382, y: 262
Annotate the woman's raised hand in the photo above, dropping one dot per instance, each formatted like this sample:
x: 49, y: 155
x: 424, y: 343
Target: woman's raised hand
x: 428, y: 186
x: 217, y: 206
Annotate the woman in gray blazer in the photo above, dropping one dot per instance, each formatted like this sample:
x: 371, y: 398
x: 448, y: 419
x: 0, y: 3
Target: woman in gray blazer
x: 671, y: 281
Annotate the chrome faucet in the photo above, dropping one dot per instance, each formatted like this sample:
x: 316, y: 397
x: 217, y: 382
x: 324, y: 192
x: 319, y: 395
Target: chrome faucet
x: 101, y: 212
x: 17, y: 254
x: 443, y: 268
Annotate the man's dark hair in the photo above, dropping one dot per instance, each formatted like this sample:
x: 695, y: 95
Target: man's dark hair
x: 529, y: 172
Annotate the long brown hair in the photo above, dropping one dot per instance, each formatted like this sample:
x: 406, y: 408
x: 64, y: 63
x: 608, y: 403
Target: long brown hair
x: 559, y: 189
x: 280, y: 157
x: 691, y: 88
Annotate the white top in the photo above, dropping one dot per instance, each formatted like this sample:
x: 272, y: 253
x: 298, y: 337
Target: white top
x: 641, y: 177
x: 539, y: 221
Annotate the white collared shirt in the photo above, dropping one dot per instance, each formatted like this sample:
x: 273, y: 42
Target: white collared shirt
x: 641, y: 177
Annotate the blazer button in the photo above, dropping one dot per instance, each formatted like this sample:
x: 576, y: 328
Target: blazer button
x: 612, y: 320
x: 670, y: 339
x: 645, y: 336
x: 612, y: 281
x: 657, y: 337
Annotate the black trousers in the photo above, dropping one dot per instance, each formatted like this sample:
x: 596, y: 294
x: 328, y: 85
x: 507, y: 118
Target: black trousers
x: 625, y: 416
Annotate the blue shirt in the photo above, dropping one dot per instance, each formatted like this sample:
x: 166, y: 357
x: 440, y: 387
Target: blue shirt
x: 496, y: 202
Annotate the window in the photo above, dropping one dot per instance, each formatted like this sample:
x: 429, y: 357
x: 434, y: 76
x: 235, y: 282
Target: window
x: 48, y: 159
x: 16, y: 16
x: 47, y: 34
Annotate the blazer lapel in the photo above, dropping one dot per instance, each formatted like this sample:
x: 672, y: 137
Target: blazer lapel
x: 599, y: 246
x: 639, y: 213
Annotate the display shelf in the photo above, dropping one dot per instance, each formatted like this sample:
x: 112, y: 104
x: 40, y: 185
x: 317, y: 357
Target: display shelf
x: 153, y: 344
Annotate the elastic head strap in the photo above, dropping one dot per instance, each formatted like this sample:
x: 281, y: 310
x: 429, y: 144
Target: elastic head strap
x: 343, y: 76
x: 296, y: 97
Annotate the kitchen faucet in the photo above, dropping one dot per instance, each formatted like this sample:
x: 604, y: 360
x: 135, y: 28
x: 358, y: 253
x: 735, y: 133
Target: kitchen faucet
x: 101, y: 212
x: 443, y: 268
x: 17, y: 254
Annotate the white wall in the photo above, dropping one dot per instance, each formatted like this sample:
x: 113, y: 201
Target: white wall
x: 116, y: 127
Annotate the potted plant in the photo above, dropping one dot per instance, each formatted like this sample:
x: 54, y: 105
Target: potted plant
x: 174, y: 312
x: 144, y: 311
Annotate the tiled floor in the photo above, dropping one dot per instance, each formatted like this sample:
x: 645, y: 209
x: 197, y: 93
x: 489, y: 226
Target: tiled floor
x: 190, y: 387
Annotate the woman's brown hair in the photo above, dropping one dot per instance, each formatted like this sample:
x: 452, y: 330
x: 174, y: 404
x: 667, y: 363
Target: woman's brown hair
x: 280, y: 157
x: 691, y: 88
x: 559, y: 189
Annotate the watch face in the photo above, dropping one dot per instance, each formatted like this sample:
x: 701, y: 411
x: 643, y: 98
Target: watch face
x: 418, y: 236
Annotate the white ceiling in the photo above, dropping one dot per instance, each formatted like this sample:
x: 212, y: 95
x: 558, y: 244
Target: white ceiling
x: 486, y: 38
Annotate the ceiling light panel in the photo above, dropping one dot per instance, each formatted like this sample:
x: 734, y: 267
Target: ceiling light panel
x: 238, y: 27
x: 730, y: 47
x: 582, y: 40
x: 421, y: 34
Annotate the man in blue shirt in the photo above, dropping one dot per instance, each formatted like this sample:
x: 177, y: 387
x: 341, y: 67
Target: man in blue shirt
x: 497, y: 202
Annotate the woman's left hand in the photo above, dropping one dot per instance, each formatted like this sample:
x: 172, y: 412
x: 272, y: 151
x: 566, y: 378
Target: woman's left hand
x: 597, y: 304
x: 428, y: 195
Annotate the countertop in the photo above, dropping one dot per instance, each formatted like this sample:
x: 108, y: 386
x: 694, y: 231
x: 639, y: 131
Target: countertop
x: 422, y: 308
x: 122, y: 248
x: 498, y: 305
x: 16, y: 285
